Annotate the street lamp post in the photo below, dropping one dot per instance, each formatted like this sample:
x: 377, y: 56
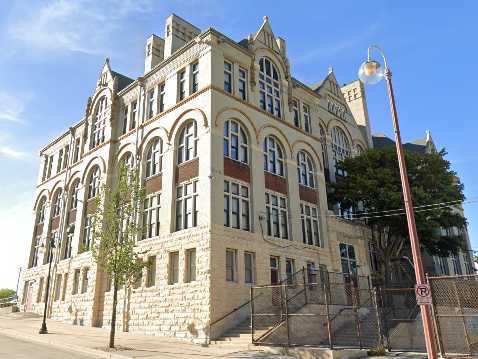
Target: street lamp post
x: 371, y: 72
x: 43, y: 329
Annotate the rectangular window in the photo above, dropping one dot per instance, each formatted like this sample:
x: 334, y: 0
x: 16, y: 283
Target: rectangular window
x: 59, y: 164
x: 36, y: 250
x: 310, y: 224
x: 194, y: 77
x: 236, y: 205
x: 277, y: 216
x: 87, y: 233
x: 173, y: 268
x: 68, y: 245
x: 242, y: 84
x: 76, y: 282
x: 76, y: 156
x: 66, y: 156
x: 152, y: 204
x: 125, y: 120
x: 191, y: 265
x: 150, y: 103
x: 84, y: 281
x: 307, y: 122
x: 57, y: 287
x: 290, y: 270
x: 231, y: 265
x: 49, y: 166
x: 161, y: 97
x: 186, y: 209
x: 65, y: 284
x: 311, y: 273
x: 133, y: 115
x: 227, y: 77
x: 295, y: 113
x: 348, y: 259
x: 249, y: 267
x: 181, y: 85
x: 151, y: 272
x: 40, y: 291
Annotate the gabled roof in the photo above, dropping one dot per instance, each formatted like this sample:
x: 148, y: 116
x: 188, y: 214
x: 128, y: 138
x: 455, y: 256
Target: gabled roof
x: 123, y: 80
x: 421, y: 145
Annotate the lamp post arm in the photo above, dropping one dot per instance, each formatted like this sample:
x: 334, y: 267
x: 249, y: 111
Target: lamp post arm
x: 379, y: 49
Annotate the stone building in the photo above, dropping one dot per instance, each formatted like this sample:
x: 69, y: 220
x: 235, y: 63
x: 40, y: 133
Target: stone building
x: 234, y: 154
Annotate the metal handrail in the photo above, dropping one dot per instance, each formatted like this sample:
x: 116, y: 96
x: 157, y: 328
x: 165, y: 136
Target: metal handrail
x: 233, y: 310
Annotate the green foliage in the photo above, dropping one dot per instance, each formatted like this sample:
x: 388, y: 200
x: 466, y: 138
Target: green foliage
x: 115, y: 228
x: 373, y: 180
x: 6, y: 293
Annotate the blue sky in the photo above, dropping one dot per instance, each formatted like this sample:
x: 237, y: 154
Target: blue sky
x: 52, y: 52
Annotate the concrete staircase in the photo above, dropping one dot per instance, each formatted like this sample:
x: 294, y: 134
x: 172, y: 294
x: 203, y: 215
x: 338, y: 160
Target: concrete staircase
x: 239, y: 336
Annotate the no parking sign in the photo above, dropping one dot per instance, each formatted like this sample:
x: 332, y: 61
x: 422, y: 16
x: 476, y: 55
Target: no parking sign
x: 423, y: 294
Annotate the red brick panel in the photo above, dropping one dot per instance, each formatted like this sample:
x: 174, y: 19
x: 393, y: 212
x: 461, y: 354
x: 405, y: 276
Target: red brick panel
x: 153, y: 184
x: 275, y: 183
x: 55, y: 223
x: 237, y: 170
x: 187, y: 171
x: 308, y: 194
x: 91, y: 206
x: 72, y: 216
x: 38, y: 229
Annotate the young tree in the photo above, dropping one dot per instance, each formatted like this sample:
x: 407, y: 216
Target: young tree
x: 115, y: 229
x: 373, y: 183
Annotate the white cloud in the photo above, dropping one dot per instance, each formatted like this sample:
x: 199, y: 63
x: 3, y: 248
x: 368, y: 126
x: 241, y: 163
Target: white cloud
x: 12, y: 107
x: 7, y: 151
x: 80, y: 26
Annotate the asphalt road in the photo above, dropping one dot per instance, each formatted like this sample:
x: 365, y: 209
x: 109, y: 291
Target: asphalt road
x: 19, y: 349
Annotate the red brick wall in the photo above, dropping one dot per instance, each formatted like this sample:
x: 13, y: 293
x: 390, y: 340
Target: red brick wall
x: 308, y: 194
x: 237, y: 170
x: 55, y: 222
x: 90, y: 206
x: 153, y: 184
x: 275, y: 183
x: 187, y: 171
x: 72, y: 216
x: 38, y: 229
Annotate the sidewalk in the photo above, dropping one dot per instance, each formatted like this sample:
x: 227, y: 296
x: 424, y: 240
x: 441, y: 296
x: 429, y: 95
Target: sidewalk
x: 93, y: 341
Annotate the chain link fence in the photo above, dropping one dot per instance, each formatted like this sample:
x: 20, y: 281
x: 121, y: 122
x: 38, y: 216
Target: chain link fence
x: 455, y: 308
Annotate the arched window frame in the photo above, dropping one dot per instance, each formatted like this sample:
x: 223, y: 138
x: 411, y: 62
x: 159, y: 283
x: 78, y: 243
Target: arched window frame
x: 154, y: 157
x: 340, y: 148
x: 305, y: 169
x: 188, y: 140
x: 94, y: 183
x: 273, y: 156
x: 41, y: 210
x: 98, y: 123
x: 270, y: 92
x: 56, y: 205
x: 236, y: 145
x: 74, y: 194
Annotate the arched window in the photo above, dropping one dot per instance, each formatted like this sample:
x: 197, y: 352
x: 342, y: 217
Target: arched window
x: 305, y: 169
x: 94, y: 183
x: 98, y: 124
x: 74, y: 194
x: 235, y: 141
x: 323, y: 145
x: 273, y: 156
x: 359, y: 150
x: 127, y: 160
x: 340, y: 148
x: 41, y: 211
x: 154, y: 157
x: 269, y: 87
x: 188, y: 141
x: 56, y: 207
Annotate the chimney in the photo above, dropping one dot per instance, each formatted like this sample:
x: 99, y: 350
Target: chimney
x: 154, y: 52
x: 177, y: 33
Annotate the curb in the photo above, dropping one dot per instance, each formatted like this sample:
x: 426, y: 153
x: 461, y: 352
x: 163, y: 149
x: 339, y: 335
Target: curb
x: 69, y: 347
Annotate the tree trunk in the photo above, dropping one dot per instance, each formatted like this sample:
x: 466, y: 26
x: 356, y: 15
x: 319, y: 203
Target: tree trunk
x: 113, y: 314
